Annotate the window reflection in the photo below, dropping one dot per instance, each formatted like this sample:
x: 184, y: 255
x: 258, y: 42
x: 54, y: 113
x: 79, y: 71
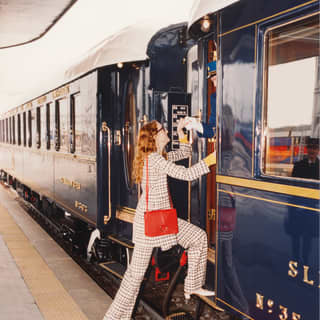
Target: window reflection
x: 130, y: 131
x: 292, y: 103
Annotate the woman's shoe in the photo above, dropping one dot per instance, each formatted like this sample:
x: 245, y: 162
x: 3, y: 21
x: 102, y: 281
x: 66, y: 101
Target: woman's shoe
x: 201, y: 292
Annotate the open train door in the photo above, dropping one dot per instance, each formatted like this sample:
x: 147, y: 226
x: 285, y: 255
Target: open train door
x: 201, y: 108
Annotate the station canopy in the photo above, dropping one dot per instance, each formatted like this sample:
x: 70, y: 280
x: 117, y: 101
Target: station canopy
x: 23, y: 21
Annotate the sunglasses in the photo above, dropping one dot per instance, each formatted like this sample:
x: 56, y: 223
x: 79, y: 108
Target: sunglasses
x: 162, y: 128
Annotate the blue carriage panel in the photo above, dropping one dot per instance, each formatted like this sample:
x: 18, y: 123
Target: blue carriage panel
x: 268, y: 253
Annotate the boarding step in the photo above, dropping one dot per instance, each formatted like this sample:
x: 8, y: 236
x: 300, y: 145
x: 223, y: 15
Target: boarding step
x: 114, y: 267
x: 121, y: 240
x: 211, y: 302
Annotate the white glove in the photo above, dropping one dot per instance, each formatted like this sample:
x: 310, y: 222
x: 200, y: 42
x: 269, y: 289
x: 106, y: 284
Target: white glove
x: 193, y: 123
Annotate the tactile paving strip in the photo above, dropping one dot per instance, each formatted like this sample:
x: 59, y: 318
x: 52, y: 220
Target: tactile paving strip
x: 52, y: 299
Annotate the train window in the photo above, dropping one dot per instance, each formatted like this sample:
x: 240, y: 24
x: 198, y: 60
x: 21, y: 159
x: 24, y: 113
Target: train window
x: 24, y: 118
x: 64, y: 131
x: 38, y: 128
x: 74, y: 101
x: 47, y: 132
x: 84, y: 130
x: 10, y: 130
x: 130, y: 131
x: 3, y: 131
x: 57, y: 126
x: 19, y: 129
x: 7, y: 131
x: 291, y: 95
x: 30, y: 128
x: 13, y: 119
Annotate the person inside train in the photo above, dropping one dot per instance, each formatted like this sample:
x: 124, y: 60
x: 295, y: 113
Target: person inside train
x: 309, y: 166
x: 207, y: 130
x: 151, y: 154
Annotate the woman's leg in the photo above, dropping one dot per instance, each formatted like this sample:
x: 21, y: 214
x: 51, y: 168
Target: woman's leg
x: 124, y: 301
x: 195, y: 241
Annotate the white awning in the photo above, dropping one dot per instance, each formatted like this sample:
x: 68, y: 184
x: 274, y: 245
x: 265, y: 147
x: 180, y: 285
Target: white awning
x: 23, y: 21
x: 201, y: 8
x: 130, y: 44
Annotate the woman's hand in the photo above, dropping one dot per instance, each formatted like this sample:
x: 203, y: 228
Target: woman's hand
x: 181, y: 125
x: 211, y: 159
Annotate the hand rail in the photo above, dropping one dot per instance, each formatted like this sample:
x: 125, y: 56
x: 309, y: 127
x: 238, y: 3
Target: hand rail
x: 105, y: 128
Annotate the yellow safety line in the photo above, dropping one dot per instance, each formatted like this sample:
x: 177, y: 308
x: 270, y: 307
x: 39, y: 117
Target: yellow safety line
x: 53, y: 301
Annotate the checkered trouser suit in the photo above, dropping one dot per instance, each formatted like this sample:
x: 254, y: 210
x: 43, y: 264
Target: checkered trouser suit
x: 190, y: 236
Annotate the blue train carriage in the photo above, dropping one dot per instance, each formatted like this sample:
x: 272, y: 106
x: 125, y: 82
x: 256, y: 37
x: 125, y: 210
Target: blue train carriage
x: 46, y: 157
x: 267, y: 243
x: 70, y: 150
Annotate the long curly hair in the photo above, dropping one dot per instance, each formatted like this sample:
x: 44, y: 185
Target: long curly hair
x: 146, y: 145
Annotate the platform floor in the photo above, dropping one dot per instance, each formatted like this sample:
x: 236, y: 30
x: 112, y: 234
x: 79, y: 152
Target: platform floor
x: 38, y: 280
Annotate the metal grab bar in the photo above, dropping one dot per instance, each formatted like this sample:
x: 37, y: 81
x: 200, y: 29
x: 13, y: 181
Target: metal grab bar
x: 105, y: 128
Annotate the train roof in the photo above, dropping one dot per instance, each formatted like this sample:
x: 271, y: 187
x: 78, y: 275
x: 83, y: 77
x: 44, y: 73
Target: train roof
x: 129, y: 44
x: 202, y: 8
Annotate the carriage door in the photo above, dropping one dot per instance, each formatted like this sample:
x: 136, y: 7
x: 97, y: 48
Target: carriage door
x: 211, y: 178
x: 132, y: 115
x: 198, y: 83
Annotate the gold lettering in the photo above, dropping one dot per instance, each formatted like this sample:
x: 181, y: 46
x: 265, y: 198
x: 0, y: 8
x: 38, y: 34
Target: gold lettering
x: 28, y: 105
x: 293, y: 272
x: 74, y: 184
x: 81, y: 206
x: 60, y: 92
x: 296, y: 316
x: 270, y: 304
x: 259, y: 301
x: 42, y: 99
x: 284, y: 313
x: 305, y: 276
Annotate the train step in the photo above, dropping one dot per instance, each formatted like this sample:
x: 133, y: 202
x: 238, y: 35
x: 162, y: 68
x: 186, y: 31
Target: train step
x: 114, y: 267
x: 121, y: 240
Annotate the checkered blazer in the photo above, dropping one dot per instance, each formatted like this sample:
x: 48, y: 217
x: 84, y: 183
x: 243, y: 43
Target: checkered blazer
x: 159, y: 169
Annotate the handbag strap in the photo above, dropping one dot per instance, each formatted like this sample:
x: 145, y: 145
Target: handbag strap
x: 147, y: 189
x: 147, y: 185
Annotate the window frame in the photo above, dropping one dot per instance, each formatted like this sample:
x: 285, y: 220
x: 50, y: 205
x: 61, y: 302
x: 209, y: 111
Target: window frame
x: 38, y: 127
x: 24, y: 122
x: 73, y: 122
x: 48, y: 125
x: 19, y: 128
x: 30, y: 128
x: 57, y: 137
x: 264, y: 124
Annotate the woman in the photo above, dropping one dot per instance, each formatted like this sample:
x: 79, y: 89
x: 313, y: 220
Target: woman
x: 151, y: 143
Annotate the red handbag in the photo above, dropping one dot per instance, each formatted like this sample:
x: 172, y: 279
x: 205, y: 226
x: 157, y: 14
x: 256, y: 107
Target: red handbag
x: 159, y: 222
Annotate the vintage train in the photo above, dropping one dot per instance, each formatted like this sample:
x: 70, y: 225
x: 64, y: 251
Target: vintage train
x: 71, y: 149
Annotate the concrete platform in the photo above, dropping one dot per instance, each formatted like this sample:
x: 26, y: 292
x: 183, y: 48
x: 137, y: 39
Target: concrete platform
x: 38, y: 280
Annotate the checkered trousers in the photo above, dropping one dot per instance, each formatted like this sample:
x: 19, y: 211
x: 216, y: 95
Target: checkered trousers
x: 158, y: 196
x: 190, y: 237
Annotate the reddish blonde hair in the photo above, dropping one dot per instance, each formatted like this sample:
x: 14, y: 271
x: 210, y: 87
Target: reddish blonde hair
x: 146, y: 145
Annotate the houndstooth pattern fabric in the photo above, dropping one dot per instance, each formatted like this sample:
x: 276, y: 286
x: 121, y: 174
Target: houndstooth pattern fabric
x: 189, y: 236
x: 124, y: 301
x: 158, y: 197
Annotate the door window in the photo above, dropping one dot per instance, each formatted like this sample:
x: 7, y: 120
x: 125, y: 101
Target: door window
x: 130, y: 131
